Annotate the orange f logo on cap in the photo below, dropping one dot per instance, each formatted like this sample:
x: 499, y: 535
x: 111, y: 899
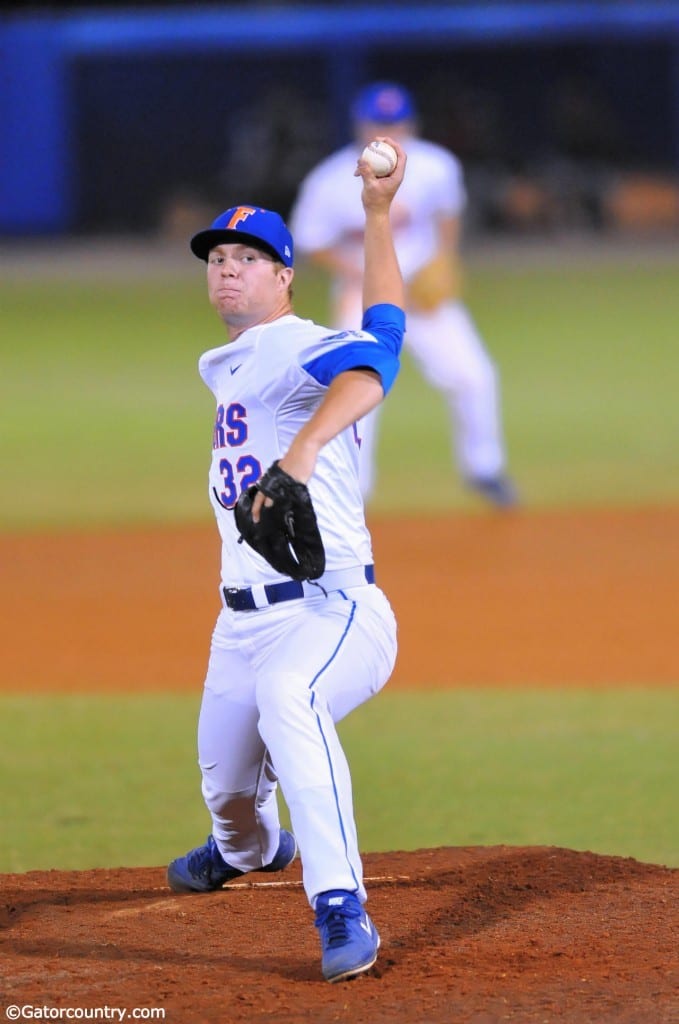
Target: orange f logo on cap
x: 240, y: 214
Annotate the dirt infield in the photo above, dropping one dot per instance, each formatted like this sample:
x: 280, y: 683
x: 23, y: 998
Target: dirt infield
x: 541, y: 599
x: 469, y: 935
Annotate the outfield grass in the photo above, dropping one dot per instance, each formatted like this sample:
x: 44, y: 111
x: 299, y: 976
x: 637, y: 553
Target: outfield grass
x: 113, y: 781
x: 103, y: 418
x: 589, y: 369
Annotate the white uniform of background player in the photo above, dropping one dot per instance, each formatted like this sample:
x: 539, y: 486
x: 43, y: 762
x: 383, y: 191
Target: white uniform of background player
x: 289, y: 659
x: 327, y: 223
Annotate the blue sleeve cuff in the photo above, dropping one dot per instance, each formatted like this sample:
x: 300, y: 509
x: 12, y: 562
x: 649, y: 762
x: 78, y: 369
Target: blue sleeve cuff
x: 354, y: 356
x: 386, y: 324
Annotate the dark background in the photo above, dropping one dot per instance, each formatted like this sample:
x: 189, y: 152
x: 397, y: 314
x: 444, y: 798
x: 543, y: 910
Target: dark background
x: 546, y: 122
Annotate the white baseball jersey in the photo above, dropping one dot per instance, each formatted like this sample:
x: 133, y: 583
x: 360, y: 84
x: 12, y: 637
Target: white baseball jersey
x: 328, y: 212
x: 267, y: 384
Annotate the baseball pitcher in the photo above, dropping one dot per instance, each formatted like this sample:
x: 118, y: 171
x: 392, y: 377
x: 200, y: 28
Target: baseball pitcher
x: 305, y: 635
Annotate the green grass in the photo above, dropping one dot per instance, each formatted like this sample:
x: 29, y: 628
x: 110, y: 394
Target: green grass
x: 104, y: 420
x: 97, y: 781
x: 103, y: 417
x: 589, y: 371
x: 573, y: 768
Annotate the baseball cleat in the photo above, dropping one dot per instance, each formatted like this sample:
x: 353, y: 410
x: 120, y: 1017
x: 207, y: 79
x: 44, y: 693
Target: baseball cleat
x: 499, y: 490
x: 349, y: 939
x: 205, y: 870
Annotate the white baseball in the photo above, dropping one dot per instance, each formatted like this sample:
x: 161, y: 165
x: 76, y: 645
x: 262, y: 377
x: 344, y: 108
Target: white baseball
x: 381, y: 157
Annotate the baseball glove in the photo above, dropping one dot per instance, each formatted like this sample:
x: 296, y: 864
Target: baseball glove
x: 437, y: 281
x: 287, y: 533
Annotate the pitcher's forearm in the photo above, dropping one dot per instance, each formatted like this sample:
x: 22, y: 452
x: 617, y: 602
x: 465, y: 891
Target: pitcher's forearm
x: 382, y: 281
x: 351, y: 396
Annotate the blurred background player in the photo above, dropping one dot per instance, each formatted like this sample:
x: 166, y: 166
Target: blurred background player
x: 327, y: 223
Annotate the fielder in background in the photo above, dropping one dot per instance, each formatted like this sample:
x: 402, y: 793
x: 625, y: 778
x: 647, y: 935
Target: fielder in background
x: 326, y: 221
x: 290, y: 657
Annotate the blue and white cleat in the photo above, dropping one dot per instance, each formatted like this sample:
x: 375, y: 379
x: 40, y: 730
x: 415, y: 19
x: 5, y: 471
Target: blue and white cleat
x: 205, y: 870
x: 349, y: 939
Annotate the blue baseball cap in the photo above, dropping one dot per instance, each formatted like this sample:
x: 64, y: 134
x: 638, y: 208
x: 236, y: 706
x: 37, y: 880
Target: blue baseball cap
x: 250, y: 225
x: 384, y: 103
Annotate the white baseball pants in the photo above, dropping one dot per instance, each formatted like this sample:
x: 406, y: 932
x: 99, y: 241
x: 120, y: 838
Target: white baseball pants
x: 278, y: 680
x: 452, y: 358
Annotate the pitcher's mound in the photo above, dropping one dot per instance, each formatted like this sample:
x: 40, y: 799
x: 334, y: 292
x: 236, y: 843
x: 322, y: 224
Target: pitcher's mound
x: 469, y: 936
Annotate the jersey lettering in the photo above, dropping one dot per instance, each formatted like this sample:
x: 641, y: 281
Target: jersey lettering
x: 357, y: 439
x: 233, y: 416
x: 250, y: 470
x: 218, y: 433
x: 247, y: 472
x: 231, y: 431
x: 343, y: 335
x: 229, y: 495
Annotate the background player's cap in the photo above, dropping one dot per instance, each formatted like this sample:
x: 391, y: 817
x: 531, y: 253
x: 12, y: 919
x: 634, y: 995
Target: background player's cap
x: 384, y: 103
x: 250, y: 225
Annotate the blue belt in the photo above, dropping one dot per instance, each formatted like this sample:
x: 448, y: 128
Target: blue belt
x: 244, y: 599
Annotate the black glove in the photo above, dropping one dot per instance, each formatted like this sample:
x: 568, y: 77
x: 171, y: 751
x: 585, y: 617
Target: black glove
x: 287, y: 533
